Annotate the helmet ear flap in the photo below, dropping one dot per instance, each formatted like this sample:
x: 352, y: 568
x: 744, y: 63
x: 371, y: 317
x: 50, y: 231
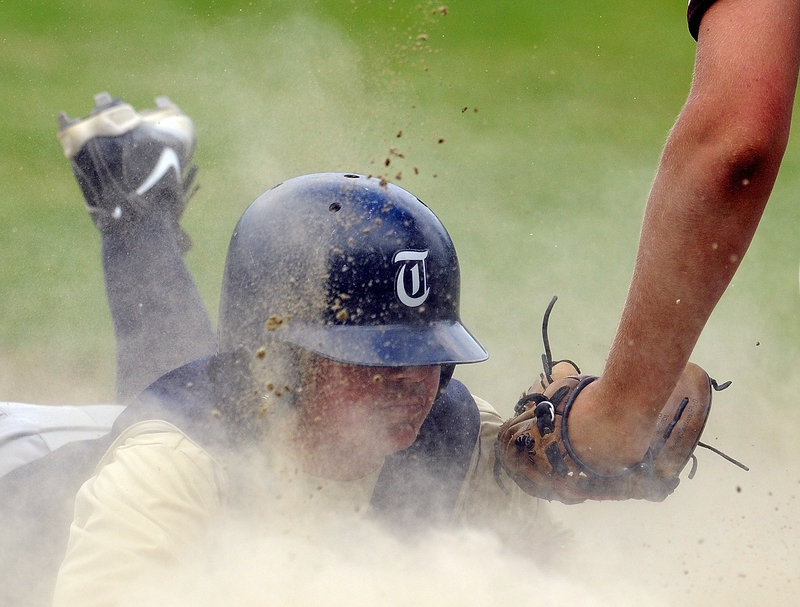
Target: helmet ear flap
x: 445, y: 376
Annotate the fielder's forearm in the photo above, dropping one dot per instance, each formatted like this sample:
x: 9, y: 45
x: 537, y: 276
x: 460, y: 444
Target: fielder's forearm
x: 715, y: 176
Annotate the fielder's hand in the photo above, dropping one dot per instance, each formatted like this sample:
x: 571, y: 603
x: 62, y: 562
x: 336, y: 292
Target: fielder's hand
x: 534, y: 447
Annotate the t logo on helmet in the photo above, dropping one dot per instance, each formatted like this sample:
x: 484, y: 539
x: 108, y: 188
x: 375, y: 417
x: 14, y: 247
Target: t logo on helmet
x: 411, y: 274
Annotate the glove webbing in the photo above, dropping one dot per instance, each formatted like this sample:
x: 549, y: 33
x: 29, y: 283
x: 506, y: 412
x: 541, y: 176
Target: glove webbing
x: 717, y: 388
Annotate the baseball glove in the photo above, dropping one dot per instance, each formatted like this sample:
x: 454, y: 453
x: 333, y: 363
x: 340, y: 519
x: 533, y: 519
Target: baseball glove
x: 534, y: 447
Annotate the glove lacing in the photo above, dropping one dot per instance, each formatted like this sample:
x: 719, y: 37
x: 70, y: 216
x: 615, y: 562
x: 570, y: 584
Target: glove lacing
x: 546, y: 416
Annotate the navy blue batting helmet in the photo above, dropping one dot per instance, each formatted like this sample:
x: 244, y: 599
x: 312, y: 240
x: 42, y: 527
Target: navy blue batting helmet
x: 348, y: 267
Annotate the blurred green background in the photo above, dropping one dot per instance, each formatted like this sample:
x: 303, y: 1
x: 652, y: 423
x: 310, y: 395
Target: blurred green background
x: 551, y: 116
x: 532, y: 128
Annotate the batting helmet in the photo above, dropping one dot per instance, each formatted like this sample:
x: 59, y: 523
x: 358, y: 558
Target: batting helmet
x: 348, y: 267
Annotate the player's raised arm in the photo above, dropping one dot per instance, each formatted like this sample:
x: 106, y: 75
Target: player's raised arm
x: 713, y: 182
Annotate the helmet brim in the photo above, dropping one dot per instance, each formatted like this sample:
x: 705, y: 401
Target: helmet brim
x: 436, y: 343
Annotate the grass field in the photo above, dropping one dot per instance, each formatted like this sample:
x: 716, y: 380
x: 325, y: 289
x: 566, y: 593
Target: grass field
x: 551, y: 117
x: 566, y: 110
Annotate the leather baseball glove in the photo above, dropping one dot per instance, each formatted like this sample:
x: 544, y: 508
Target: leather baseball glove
x: 534, y: 447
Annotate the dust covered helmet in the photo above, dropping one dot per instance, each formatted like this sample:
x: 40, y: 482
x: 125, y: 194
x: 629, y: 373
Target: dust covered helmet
x: 348, y: 267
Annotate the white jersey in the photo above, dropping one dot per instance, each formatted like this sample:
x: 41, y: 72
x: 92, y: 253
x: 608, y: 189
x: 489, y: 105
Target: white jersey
x: 28, y: 432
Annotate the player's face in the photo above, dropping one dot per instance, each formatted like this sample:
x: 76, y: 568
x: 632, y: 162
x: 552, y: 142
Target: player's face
x: 366, y: 412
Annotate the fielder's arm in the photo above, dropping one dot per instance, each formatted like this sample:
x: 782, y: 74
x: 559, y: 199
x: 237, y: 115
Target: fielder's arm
x: 713, y: 182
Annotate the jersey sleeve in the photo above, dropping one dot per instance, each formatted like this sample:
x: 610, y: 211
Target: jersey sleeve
x: 490, y: 499
x: 146, y: 508
x: 695, y: 12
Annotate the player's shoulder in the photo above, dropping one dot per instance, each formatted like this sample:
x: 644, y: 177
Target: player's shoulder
x: 156, y: 444
x: 487, y: 411
x: 156, y: 436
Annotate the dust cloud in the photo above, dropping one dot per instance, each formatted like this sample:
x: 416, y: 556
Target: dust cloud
x: 304, y: 544
x: 359, y: 564
x: 725, y: 536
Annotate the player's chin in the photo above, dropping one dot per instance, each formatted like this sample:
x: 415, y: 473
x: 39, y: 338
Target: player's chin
x: 400, y: 436
x: 399, y: 426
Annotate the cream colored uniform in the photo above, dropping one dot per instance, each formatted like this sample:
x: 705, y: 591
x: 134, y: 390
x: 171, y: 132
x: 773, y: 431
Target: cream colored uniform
x: 156, y: 493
